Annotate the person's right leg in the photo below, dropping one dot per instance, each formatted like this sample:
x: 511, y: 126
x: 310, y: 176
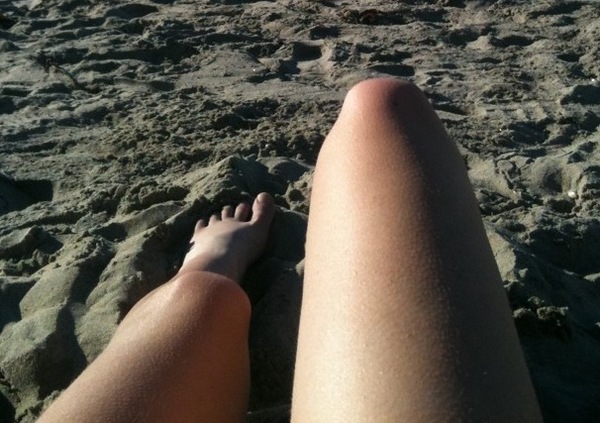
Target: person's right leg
x: 404, y: 317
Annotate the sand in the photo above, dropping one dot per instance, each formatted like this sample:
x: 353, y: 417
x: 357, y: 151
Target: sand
x: 123, y: 122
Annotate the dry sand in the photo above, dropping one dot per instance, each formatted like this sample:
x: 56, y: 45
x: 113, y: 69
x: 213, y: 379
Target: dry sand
x: 122, y: 122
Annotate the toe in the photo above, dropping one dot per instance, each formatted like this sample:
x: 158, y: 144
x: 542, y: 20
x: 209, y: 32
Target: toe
x: 214, y: 219
x: 200, y: 224
x: 263, y: 209
x: 242, y: 211
x: 227, y: 212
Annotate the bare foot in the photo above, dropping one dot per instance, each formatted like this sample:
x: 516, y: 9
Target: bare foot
x: 229, y: 243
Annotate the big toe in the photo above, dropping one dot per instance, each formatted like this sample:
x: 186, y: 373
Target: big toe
x: 263, y: 209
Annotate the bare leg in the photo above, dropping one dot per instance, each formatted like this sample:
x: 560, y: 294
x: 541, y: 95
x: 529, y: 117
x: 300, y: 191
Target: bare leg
x: 181, y: 354
x: 404, y: 317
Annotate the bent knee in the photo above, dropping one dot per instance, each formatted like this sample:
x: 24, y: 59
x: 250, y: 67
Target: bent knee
x: 211, y: 293
x: 383, y: 95
x: 374, y: 115
x: 381, y: 120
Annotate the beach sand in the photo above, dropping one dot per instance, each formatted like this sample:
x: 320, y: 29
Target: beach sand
x: 121, y: 123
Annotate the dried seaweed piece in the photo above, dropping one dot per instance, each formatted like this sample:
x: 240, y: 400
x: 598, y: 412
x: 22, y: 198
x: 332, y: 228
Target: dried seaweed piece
x: 48, y: 62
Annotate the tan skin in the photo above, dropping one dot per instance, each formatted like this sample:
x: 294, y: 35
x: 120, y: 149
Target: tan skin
x: 402, y: 295
x: 403, y: 318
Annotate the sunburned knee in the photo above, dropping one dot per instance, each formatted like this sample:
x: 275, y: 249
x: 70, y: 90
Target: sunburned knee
x: 381, y: 95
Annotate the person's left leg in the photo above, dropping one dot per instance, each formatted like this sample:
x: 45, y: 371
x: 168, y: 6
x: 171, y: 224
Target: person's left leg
x: 181, y: 354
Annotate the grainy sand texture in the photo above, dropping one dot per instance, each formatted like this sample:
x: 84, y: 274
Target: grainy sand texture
x: 122, y: 122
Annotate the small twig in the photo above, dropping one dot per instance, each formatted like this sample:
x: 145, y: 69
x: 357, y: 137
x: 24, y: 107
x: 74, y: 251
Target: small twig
x: 48, y: 63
